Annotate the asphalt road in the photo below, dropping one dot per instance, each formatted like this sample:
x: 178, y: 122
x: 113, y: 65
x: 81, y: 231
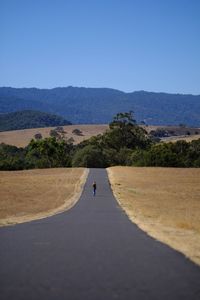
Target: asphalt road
x: 91, y: 252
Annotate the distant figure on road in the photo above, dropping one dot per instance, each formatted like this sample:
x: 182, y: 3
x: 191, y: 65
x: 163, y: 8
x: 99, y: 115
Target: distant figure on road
x: 94, y: 188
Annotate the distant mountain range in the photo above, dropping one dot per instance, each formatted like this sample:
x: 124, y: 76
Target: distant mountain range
x: 30, y: 119
x: 99, y: 105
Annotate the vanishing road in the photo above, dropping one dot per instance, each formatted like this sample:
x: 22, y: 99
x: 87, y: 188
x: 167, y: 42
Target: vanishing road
x: 91, y: 252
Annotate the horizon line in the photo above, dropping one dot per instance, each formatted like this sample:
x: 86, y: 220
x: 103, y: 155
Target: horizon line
x: 109, y: 88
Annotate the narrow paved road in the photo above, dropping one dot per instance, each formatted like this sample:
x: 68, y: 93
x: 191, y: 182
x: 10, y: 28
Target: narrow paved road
x: 92, y: 252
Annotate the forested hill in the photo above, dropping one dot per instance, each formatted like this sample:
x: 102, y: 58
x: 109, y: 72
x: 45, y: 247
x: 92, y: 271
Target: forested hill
x: 98, y: 105
x: 29, y: 119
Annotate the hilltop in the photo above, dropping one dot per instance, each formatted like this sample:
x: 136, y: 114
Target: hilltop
x: 98, y: 105
x: 30, y: 119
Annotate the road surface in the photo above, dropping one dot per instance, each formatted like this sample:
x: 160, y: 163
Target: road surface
x: 91, y: 252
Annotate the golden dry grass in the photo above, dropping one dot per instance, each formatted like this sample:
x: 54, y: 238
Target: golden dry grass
x: 187, y: 138
x: 180, y: 133
x: 165, y: 202
x: 33, y: 194
x: 21, y: 138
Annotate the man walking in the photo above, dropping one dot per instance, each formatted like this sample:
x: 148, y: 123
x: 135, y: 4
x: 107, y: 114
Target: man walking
x: 94, y: 188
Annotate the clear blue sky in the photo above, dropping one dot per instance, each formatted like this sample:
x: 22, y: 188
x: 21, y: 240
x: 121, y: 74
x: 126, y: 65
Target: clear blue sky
x: 130, y: 45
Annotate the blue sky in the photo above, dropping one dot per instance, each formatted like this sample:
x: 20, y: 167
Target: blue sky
x: 130, y: 45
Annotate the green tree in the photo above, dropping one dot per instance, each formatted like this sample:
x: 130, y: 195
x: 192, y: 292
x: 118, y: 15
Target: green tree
x: 11, y: 157
x: 77, y: 131
x: 116, y: 144
x: 49, y: 153
x: 122, y: 120
x: 125, y: 133
x: 89, y: 157
x: 38, y: 136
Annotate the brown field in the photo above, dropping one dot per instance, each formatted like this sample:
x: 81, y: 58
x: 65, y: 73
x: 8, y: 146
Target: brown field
x: 164, y: 202
x: 34, y: 194
x: 21, y: 138
x: 181, y: 138
x: 181, y: 133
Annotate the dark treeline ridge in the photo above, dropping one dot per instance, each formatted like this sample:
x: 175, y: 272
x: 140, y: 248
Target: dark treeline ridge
x: 125, y: 143
x: 30, y: 119
x: 76, y: 104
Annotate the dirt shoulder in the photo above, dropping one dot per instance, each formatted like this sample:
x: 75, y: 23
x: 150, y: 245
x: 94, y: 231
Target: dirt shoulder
x: 35, y: 194
x: 164, y: 202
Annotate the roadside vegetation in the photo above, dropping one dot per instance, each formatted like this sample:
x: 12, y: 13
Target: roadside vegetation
x: 124, y: 143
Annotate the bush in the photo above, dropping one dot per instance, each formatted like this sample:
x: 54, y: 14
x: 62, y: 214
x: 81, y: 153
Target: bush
x: 77, y: 131
x: 38, y: 136
x: 54, y: 133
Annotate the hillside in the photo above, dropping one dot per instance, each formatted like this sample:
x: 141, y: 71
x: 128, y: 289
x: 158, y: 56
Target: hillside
x: 22, y: 138
x: 29, y: 119
x: 99, y: 105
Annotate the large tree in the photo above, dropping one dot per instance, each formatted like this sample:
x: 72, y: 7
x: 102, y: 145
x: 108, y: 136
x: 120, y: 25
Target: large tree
x: 125, y: 133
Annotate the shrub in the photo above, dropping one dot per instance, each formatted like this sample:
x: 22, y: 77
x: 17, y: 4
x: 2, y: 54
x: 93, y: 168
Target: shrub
x: 38, y: 136
x: 77, y: 131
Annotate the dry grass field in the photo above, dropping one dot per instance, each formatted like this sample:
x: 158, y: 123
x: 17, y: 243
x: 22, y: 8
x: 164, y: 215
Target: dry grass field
x: 174, y: 139
x: 21, y: 138
x: 165, y: 202
x: 179, y: 131
x: 34, y: 194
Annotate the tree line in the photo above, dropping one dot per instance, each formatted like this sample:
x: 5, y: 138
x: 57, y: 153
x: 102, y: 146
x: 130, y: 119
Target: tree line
x: 125, y: 143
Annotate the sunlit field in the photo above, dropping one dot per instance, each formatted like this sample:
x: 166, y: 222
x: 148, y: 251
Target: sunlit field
x: 33, y: 194
x: 21, y: 138
x: 165, y: 202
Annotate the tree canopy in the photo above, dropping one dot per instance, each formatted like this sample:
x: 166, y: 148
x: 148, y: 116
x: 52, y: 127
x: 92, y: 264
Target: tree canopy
x: 125, y: 143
